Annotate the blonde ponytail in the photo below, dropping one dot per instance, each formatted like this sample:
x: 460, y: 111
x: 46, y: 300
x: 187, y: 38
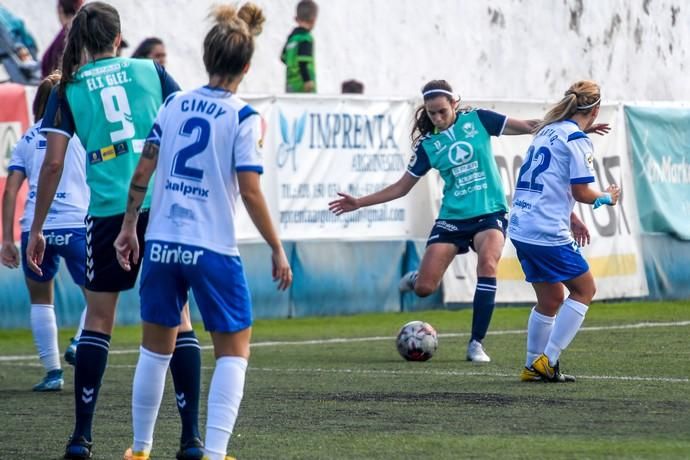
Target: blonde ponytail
x: 582, y: 97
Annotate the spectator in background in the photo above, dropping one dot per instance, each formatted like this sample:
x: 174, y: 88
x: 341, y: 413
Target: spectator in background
x: 16, y: 34
x: 17, y: 51
x: 352, y: 87
x: 52, y: 58
x: 151, y: 48
x: 124, y: 44
x: 298, y: 52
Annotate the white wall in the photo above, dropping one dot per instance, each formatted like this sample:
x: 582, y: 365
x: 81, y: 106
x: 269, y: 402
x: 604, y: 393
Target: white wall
x: 505, y: 49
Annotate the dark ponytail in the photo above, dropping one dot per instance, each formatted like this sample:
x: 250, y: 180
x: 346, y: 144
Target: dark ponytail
x: 94, y: 29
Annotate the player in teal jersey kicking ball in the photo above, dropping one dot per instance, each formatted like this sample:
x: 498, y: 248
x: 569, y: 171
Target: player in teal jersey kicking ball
x: 95, y: 102
x: 456, y: 142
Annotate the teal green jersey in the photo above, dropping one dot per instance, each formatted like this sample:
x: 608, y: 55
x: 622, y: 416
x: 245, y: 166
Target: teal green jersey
x: 110, y: 105
x: 463, y: 157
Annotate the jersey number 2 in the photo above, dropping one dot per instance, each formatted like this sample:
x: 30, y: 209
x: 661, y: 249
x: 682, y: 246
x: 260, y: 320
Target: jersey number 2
x: 542, y: 157
x: 202, y: 128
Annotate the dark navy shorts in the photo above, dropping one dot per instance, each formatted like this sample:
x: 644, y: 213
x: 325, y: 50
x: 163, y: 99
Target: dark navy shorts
x: 461, y: 232
x: 103, y: 272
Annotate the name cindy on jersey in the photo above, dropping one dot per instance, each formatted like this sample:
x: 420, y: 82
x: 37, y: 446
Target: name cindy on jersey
x: 164, y: 254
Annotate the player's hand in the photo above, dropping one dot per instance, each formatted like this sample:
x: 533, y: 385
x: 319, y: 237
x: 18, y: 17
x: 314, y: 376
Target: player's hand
x: 127, y: 248
x: 9, y: 254
x: 309, y: 86
x: 615, y: 192
x: 35, y: 249
x: 580, y: 232
x: 345, y: 203
x: 599, y: 128
x: 281, y: 269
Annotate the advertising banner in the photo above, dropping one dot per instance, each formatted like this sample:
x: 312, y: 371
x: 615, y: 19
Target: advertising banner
x: 319, y: 147
x: 614, y: 255
x: 660, y: 148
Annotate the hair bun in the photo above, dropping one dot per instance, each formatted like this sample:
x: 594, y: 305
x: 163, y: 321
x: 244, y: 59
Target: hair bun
x: 253, y: 17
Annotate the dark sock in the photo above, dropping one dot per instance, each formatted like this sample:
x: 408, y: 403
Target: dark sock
x: 92, y: 358
x: 185, y: 367
x: 483, y: 306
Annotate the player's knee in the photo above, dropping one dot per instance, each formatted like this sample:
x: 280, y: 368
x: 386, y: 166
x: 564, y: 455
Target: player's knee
x: 487, y: 268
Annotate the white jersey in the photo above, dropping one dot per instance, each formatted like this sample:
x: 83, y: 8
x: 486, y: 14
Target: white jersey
x: 71, y: 201
x: 206, y: 137
x: 560, y: 155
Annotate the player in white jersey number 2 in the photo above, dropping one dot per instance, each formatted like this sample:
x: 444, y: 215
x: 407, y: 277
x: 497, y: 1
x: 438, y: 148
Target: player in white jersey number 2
x: 64, y: 231
x: 206, y: 146
x: 555, y: 174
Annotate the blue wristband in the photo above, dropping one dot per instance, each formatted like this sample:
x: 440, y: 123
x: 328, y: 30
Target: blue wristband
x: 602, y: 200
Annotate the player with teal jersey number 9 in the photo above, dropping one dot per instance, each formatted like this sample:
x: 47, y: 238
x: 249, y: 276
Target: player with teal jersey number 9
x: 95, y: 102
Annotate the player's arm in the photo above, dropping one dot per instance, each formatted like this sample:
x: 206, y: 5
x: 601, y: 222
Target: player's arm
x: 126, y: 244
x: 248, y: 165
x: 514, y: 126
x: 419, y: 165
x: 579, y: 230
x: 58, y: 127
x: 10, y: 255
x: 497, y: 124
x: 255, y: 203
x: 584, y: 194
x: 140, y: 182
x: 398, y: 189
x: 49, y: 177
x: 582, y: 173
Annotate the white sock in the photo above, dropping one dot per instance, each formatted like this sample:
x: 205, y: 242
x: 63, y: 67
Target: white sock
x: 81, y: 324
x: 539, y: 328
x: 568, y: 322
x: 44, y: 329
x: 224, y: 397
x: 147, y: 392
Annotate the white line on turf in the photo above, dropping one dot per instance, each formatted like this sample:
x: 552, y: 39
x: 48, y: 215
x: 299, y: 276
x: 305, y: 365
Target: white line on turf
x: 283, y: 343
x: 437, y: 372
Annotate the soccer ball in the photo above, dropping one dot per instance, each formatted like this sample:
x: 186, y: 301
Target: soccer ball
x: 417, y: 341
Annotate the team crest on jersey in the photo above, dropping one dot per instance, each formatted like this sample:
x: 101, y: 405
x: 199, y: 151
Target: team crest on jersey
x: 460, y: 153
x: 413, y: 160
x: 589, y: 160
x: 470, y: 130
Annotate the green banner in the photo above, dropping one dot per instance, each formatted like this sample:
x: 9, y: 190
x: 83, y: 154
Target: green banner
x: 660, y: 144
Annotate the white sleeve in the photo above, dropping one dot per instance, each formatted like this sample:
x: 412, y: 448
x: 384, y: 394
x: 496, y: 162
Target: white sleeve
x: 248, y: 152
x: 18, y: 161
x: 581, y: 160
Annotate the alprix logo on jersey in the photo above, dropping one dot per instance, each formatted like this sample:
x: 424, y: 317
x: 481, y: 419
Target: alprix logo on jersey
x: 338, y: 131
